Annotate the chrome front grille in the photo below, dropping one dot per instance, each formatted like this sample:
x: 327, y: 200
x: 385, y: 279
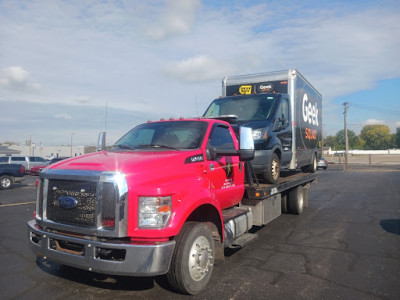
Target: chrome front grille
x: 84, y: 214
x: 96, y: 204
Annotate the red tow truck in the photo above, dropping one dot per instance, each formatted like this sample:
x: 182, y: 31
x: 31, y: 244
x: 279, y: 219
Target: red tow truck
x: 168, y: 198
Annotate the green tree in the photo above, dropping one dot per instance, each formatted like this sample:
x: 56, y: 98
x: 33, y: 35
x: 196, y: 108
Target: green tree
x: 354, y: 140
x: 397, y: 138
x: 376, y: 137
x: 330, y: 141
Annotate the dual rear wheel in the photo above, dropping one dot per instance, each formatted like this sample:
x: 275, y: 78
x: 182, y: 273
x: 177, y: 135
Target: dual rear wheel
x: 295, y: 200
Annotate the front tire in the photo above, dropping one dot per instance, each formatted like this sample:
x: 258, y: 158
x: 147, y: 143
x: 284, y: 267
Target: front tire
x: 193, y: 260
x: 271, y: 175
x: 6, y: 182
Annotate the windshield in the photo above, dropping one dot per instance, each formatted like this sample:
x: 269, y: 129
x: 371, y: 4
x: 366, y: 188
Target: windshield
x: 247, y: 108
x: 171, y: 135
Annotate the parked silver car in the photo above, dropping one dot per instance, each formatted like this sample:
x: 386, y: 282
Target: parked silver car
x: 322, y: 164
x: 27, y: 161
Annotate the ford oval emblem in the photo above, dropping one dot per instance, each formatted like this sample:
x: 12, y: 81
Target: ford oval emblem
x: 67, y: 202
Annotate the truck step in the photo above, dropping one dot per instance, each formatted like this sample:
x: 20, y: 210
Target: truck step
x: 233, y: 213
x: 244, y: 239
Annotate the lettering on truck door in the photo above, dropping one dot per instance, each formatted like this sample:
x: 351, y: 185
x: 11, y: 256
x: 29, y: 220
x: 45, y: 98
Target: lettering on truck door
x: 225, y: 172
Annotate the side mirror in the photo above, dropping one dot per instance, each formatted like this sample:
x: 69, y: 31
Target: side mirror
x: 279, y: 124
x: 246, y: 147
x: 101, y: 141
x: 246, y: 142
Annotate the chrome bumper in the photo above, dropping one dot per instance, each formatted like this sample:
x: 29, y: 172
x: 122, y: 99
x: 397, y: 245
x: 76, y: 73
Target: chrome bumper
x: 19, y: 179
x: 126, y: 259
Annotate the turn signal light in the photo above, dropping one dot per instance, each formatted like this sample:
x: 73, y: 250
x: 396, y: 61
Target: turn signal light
x: 109, y: 222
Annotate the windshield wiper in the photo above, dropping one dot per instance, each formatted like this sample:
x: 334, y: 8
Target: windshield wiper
x: 158, y: 146
x: 122, y: 146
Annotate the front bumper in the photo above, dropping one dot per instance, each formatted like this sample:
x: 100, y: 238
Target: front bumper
x: 261, y: 161
x: 127, y: 259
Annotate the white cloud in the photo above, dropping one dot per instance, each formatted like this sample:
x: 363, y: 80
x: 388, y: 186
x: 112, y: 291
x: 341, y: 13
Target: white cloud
x: 198, y: 68
x: 177, y: 18
x: 83, y: 99
x: 64, y: 116
x: 17, y: 78
x: 397, y: 124
x: 373, y: 122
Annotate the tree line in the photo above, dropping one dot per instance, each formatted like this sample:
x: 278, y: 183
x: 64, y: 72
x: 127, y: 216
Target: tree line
x: 372, y: 137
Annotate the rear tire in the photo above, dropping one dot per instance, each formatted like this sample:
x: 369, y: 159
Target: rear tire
x: 312, y: 168
x: 296, y: 200
x: 193, y: 260
x: 6, y: 182
x: 271, y: 175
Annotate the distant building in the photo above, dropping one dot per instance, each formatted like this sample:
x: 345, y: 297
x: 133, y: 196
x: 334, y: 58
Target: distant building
x: 5, y: 151
x: 47, y: 152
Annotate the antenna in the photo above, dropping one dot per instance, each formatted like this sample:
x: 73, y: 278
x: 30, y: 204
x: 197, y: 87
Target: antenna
x: 105, y: 121
x: 197, y: 111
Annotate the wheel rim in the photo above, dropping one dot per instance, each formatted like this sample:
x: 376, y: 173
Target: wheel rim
x: 200, y: 258
x: 5, y: 182
x: 275, y: 168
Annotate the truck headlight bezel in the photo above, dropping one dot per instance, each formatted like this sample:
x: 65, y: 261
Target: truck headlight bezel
x: 259, y: 134
x: 154, y: 212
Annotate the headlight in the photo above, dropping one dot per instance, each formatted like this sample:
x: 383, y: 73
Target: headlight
x: 259, y: 134
x: 154, y: 212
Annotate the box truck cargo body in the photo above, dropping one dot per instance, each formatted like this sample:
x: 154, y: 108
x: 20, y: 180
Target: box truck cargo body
x: 285, y: 113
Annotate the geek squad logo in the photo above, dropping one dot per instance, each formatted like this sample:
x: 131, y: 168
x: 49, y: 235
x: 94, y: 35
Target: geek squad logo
x: 310, y: 117
x: 310, y: 111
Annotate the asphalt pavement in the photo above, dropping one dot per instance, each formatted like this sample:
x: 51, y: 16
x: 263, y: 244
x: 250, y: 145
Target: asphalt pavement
x: 345, y: 245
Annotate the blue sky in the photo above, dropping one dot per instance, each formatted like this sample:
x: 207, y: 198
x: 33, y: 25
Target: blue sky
x: 63, y: 62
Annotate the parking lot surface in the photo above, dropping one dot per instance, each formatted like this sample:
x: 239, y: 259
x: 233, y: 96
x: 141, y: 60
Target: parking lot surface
x: 345, y: 245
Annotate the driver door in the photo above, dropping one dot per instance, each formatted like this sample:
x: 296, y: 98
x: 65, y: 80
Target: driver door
x: 226, y: 173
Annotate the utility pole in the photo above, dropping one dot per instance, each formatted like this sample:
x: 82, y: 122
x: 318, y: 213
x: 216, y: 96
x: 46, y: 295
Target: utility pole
x: 346, y: 106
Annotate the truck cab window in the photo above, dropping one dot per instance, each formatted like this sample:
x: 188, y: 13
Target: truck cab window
x: 283, y: 113
x: 245, y: 107
x: 221, y: 138
x: 176, y: 134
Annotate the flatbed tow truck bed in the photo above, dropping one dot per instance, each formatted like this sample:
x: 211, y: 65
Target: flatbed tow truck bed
x: 287, y: 181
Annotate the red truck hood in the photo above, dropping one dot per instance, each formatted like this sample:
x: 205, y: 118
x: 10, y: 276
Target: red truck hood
x: 127, y: 162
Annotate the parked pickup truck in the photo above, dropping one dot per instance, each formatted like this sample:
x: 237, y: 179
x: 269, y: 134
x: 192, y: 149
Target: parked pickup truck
x: 166, y: 199
x: 9, y: 174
